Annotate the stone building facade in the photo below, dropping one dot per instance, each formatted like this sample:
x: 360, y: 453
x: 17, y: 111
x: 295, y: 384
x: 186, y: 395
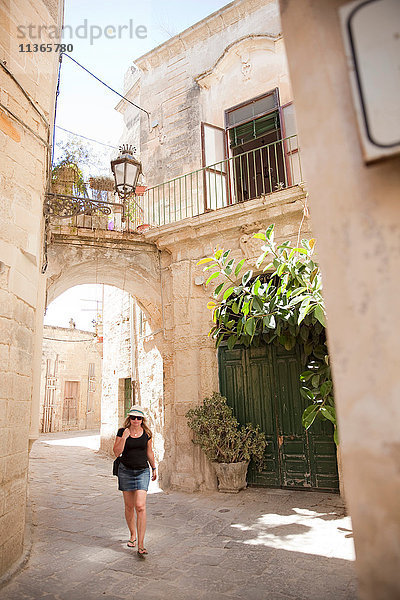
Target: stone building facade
x: 27, y: 98
x: 222, y: 131
x: 70, y: 392
x: 231, y: 57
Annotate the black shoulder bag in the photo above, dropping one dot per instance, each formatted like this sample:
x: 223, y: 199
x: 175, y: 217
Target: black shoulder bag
x: 116, y: 465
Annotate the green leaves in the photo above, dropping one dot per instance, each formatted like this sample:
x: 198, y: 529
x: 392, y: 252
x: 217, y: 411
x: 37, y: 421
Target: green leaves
x: 212, y: 276
x: 329, y: 413
x: 205, y: 260
x: 218, y: 433
x: 232, y: 339
x: 326, y: 388
x: 304, y: 309
x: 284, y: 306
x: 309, y: 415
x: 218, y: 289
x: 239, y: 267
x: 228, y: 293
x: 269, y: 321
x: 246, y: 277
x: 320, y: 315
x: 250, y: 326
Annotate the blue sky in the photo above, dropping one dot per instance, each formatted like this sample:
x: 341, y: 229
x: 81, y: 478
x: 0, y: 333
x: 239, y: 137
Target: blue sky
x: 86, y: 107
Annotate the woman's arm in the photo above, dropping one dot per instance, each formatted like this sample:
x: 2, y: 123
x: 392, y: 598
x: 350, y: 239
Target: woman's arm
x: 119, y: 443
x: 151, y: 459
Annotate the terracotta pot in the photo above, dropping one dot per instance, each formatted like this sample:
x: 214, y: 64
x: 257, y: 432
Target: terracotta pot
x: 143, y: 227
x: 231, y: 476
x: 140, y: 190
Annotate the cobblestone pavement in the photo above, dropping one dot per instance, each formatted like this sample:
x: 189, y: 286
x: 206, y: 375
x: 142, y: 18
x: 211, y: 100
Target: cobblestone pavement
x: 258, y: 544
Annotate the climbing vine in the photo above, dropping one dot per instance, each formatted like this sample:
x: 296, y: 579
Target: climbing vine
x: 281, y: 305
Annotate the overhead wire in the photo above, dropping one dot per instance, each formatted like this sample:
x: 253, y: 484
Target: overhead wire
x: 106, y: 84
x: 73, y: 341
x: 87, y: 138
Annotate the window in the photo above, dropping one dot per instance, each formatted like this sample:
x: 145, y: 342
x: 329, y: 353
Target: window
x: 252, y: 109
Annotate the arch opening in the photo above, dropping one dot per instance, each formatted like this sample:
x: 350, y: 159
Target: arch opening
x: 95, y: 368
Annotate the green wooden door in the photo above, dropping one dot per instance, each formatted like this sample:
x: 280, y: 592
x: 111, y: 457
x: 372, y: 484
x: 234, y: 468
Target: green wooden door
x: 127, y: 395
x: 262, y: 386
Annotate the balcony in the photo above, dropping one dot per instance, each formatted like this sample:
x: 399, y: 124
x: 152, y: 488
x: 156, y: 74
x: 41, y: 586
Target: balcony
x: 243, y: 177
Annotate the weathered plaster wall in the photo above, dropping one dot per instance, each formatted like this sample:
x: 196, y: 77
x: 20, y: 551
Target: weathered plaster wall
x: 356, y: 218
x: 117, y: 363
x: 72, y: 350
x: 24, y: 133
x: 149, y: 374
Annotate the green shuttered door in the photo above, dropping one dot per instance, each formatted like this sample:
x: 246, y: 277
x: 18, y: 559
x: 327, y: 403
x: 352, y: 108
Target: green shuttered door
x: 262, y: 386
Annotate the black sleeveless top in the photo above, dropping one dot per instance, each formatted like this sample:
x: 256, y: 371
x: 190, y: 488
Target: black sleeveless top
x: 134, y: 454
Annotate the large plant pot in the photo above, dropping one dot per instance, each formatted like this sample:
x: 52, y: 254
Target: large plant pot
x: 231, y: 476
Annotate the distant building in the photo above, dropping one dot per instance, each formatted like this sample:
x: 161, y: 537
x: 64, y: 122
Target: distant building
x: 71, y: 380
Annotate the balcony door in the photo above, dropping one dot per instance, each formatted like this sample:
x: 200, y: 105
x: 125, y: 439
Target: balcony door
x: 254, y: 136
x: 215, y: 181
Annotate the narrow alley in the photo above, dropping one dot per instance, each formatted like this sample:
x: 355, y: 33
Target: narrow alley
x: 258, y: 544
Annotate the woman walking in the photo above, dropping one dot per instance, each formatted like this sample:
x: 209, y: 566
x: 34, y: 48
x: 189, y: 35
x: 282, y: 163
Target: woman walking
x: 134, y: 444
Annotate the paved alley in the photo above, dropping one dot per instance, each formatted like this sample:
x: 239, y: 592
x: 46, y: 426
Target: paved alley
x: 260, y: 544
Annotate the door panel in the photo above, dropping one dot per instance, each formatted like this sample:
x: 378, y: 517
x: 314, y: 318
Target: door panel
x: 70, y: 406
x: 233, y: 374
x: 213, y: 158
x: 262, y: 386
x: 292, y: 437
x: 261, y: 411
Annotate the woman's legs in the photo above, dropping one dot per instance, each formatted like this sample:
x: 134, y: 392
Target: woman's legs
x: 129, y: 500
x: 140, y: 506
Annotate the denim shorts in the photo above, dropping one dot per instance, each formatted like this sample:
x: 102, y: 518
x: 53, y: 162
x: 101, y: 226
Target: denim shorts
x: 130, y: 480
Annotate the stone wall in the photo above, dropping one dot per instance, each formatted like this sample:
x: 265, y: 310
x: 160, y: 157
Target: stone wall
x: 117, y: 364
x: 27, y: 95
x: 356, y: 218
x: 70, y: 351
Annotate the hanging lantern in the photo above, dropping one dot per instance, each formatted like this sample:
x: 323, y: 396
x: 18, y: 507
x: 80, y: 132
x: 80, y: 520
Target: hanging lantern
x: 126, y: 170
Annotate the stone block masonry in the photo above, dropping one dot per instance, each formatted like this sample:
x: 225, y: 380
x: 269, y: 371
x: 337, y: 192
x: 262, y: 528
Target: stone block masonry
x: 27, y: 93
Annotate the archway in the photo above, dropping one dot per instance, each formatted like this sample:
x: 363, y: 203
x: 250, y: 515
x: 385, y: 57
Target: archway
x: 132, y: 268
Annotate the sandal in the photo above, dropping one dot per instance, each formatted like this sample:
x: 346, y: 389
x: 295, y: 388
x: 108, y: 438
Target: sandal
x: 131, y: 543
x: 142, y: 552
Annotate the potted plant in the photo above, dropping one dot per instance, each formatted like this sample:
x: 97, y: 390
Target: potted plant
x: 229, y: 446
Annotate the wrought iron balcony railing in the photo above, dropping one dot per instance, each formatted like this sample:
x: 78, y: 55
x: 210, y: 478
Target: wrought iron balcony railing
x: 246, y: 176
x: 242, y: 177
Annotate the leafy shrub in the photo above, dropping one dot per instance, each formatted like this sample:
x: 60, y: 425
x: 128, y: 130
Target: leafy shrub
x: 282, y: 305
x: 218, y: 433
